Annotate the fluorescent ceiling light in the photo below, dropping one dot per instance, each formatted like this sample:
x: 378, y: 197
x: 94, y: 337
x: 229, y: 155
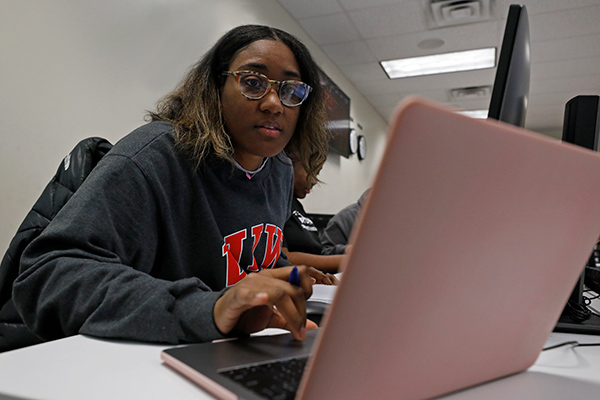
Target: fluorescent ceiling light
x: 441, y: 63
x: 479, y: 114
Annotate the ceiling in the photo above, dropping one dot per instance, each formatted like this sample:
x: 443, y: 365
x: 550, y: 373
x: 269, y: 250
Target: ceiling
x: 358, y: 34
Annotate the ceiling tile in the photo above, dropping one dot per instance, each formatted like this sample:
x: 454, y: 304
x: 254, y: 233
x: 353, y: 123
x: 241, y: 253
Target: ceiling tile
x: 447, y: 81
x: 565, y: 49
x: 310, y: 8
x: 365, y: 72
x: 568, y: 23
x: 358, y: 4
x: 375, y: 87
x: 349, y: 53
x: 536, y: 7
x: 387, y: 20
x: 578, y: 84
x: 465, y: 37
x: 329, y: 29
x: 382, y: 100
x: 556, y: 69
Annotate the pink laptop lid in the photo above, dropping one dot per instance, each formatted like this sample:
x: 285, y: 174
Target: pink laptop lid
x: 467, y: 249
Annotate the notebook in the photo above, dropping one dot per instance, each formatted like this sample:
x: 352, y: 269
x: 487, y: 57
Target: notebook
x: 463, y: 258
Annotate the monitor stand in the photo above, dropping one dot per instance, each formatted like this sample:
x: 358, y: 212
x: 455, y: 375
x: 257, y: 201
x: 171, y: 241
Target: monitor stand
x: 589, y: 327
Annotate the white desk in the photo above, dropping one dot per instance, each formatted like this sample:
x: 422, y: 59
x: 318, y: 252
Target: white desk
x: 86, y: 368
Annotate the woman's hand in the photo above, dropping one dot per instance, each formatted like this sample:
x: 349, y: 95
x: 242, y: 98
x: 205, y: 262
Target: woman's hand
x: 265, y: 300
x: 323, y: 278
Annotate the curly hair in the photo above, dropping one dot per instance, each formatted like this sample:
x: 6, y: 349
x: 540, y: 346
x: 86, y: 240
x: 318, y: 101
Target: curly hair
x: 194, y: 107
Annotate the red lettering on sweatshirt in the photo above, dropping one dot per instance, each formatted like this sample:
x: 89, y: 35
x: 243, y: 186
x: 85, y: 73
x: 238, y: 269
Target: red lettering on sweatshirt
x: 233, y: 248
x: 273, y: 247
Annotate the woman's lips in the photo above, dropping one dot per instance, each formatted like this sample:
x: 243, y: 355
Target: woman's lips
x: 270, y: 128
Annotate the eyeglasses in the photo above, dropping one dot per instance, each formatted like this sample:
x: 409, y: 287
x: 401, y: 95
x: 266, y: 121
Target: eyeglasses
x: 255, y: 86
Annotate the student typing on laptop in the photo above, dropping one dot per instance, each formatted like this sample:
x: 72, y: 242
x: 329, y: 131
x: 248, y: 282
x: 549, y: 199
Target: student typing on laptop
x: 176, y: 235
x: 302, y: 244
x: 491, y: 210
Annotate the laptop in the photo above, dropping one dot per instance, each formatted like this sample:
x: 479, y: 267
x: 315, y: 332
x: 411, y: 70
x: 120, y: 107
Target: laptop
x: 463, y: 258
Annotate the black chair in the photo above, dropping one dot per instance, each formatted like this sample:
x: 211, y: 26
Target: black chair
x: 71, y: 173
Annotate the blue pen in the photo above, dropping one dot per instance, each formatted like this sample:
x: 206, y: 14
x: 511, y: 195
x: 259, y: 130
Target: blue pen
x: 294, y: 277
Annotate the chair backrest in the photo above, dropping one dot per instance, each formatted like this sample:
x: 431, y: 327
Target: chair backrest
x: 71, y: 173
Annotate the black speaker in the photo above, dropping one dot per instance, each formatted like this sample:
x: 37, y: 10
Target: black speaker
x: 581, y: 121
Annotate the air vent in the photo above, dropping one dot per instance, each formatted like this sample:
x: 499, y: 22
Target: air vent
x: 470, y: 93
x: 457, y: 12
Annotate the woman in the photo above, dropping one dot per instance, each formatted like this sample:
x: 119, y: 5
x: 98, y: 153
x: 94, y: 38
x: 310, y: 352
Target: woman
x: 302, y: 244
x: 175, y: 235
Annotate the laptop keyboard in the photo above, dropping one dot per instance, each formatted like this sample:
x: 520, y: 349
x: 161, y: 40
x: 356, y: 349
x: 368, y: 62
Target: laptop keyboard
x: 278, y: 380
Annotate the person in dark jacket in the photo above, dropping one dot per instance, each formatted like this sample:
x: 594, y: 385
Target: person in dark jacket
x: 302, y: 244
x: 175, y: 236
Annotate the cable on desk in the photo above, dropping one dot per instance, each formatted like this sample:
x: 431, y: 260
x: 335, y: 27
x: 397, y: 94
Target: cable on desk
x: 573, y: 343
x: 578, y: 312
x: 582, y: 312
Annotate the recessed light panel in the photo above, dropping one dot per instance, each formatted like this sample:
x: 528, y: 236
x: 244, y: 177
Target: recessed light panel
x: 440, y: 63
x: 478, y: 114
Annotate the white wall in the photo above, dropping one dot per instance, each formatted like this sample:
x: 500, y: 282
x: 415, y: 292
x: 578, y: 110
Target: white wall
x: 73, y: 69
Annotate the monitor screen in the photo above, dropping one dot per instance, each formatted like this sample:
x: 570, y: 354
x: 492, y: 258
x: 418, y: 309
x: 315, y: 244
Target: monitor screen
x: 511, y: 85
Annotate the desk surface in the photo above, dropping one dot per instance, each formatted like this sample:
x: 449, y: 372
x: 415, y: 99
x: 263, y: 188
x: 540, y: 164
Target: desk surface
x: 81, y: 367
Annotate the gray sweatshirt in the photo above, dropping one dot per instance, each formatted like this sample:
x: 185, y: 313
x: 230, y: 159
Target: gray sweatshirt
x: 146, y: 246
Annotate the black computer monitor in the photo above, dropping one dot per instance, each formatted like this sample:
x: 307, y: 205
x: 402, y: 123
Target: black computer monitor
x: 582, y: 127
x: 511, y: 85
